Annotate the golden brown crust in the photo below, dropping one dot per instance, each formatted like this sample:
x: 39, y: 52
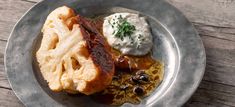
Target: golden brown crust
x: 99, y: 51
x: 71, y: 57
x: 96, y: 45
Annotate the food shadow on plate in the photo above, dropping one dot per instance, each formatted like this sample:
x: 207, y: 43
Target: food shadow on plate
x: 163, y: 50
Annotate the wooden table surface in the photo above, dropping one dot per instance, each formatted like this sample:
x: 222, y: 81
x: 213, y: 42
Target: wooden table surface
x: 213, y: 19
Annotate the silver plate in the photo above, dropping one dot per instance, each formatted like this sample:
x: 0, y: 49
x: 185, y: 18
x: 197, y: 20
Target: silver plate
x: 176, y: 44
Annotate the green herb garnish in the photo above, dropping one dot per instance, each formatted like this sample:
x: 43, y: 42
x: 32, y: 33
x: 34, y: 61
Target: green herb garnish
x: 124, y: 28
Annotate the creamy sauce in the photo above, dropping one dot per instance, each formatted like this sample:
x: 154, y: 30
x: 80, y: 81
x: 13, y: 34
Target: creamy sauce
x: 121, y: 90
x: 138, y: 43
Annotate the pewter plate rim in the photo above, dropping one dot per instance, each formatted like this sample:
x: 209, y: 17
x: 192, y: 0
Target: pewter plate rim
x: 181, y: 99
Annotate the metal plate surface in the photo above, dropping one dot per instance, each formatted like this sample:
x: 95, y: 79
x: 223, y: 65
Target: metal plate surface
x: 176, y: 44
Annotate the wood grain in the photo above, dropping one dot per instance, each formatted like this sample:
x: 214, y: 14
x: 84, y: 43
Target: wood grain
x: 10, y: 11
x: 217, y: 13
x: 8, y: 99
x: 215, y: 23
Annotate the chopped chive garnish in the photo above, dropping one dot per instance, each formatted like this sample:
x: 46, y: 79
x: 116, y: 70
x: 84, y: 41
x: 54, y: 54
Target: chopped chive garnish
x: 124, y: 28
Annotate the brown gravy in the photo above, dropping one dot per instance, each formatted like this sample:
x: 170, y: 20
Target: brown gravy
x: 124, y: 88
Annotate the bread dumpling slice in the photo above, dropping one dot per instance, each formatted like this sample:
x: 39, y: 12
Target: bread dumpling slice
x: 73, y: 56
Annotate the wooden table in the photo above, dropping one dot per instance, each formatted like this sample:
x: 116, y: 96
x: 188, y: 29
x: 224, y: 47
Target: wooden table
x: 213, y: 19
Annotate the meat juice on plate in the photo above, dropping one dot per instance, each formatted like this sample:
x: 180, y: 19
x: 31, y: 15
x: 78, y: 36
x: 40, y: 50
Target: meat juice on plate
x: 135, y: 77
